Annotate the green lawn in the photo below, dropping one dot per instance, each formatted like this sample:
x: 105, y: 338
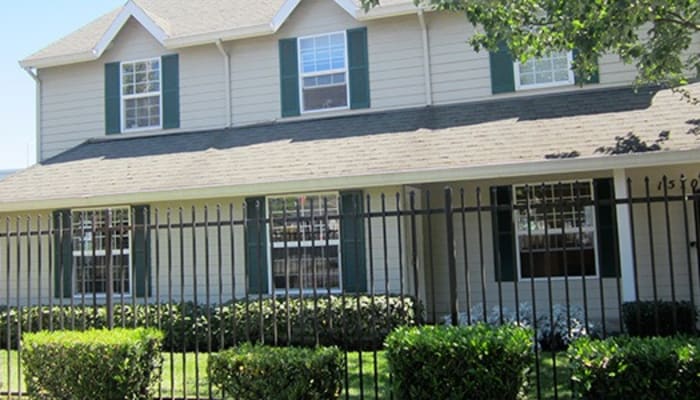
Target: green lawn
x: 180, y: 378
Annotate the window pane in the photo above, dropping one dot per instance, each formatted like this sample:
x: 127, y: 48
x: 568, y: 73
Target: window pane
x: 305, y: 266
x: 552, y: 68
x: 322, y: 53
x: 325, y: 97
x: 305, y: 241
x: 142, y: 112
x: 559, y: 222
x: 90, y: 250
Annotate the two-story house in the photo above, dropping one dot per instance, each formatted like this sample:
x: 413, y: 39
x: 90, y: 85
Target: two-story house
x: 277, y: 107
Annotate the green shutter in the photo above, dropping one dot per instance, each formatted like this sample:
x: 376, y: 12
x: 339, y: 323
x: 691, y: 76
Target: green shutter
x: 256, y: 245
x: 141, y: 254
x: 63, y: 254
x: 606, y: 227
x: 503, y: 233
x: 171, y: 91
x: 289, y: 77
x: 113, y: 116
x: 358, y: 68
x: 593, y: 78
x: 352, y: 242
x: 502, y: 78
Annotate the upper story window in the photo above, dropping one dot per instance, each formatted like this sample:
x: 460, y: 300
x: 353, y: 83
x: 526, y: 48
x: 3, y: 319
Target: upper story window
x: 141, y: 94
x: 323, y: 72
x: 556, y: 234
x: 550, y: 70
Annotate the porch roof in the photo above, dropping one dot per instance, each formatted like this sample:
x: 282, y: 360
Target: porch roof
x: 583, y: 129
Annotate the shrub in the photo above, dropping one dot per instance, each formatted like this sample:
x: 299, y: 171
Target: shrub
x: 350, y: 322
x: 95, y: 364
x: 569, y: 323
x: 253, y: 372
x: 640, y: 318
x: 475, y: 362
x: 636, y: 368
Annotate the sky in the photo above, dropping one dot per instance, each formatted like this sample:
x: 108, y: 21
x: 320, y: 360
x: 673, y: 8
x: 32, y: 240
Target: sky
x: 26, y: 27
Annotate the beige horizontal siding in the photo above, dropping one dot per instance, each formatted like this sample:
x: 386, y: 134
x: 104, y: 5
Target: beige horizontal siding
x: 182, y: 256
x: 73, y: 96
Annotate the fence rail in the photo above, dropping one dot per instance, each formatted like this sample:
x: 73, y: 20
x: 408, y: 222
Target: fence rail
x: 344, y: 269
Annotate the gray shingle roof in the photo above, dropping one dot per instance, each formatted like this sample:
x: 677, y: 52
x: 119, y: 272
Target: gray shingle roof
x: 580, y: 124
x: 178, y: 19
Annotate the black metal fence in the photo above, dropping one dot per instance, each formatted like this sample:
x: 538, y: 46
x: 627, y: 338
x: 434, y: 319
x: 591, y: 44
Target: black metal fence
x: 346, y: 268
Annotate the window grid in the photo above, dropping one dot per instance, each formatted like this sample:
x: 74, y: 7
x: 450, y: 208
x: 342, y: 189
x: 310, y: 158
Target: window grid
x: 141, y: 94
x: 90, y: 251
x: 556, y: 226
x: 306, y: 245
x: 553, y: 69
x: 323, y: 72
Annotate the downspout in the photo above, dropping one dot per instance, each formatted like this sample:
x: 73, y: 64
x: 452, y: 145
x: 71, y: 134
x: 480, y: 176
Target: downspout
x: 426, y: 59
x: 227, y: 71
x: 37, y: 106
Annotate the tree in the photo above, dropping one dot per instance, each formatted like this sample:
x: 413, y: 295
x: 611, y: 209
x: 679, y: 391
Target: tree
x: 655, y: 35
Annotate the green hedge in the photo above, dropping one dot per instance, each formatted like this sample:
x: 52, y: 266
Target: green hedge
x: 96, y: 364
x: 636, y: 368
x: 261, y: 372
x: 350, y: 322
x: 640, y: 318
x: 475, y: 362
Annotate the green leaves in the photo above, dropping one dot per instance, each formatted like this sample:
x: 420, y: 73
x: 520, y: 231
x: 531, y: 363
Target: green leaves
x: 479, y: 361
x: 121, y: 364
x: 352, y: 322
x: 655, y: 35
x: 636, y: 368
x: 251, y: 372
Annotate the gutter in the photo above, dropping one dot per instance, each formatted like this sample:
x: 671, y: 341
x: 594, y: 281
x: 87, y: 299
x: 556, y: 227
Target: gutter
x: 443, y: 175
x: 426, y: 59
x: 227, y: 80
x: 37, y: 106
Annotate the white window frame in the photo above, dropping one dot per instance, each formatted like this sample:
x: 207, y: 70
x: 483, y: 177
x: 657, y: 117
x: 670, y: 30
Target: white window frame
x: 79, y: 254
x: 593, y: 229
x: 303, y: 75
x: 305, y: 243
x: 519, y: 86
x: 123, y: 97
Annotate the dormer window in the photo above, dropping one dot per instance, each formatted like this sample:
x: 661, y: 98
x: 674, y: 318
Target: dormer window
x: 323, y: 72
x: 553, y: 69
x: 141, y: 94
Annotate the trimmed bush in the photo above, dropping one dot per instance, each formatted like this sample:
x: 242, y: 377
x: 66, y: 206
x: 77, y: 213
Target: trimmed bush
x: 640, y: 318
x: 253, y: 372
x: 474, y: 362
x: 636, y: 368
x: 352, y: 322
x: 96, y: 364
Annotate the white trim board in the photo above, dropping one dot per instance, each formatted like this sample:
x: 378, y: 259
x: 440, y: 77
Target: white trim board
x: 129, y: 10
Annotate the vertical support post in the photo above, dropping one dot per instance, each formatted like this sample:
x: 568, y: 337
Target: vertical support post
x: 451, y: 257
x: 624, y: 236
x: 108, y: 266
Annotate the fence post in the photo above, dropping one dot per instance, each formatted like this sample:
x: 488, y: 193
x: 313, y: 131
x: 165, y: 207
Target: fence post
x: 451, y: 257
x: 108, y: 265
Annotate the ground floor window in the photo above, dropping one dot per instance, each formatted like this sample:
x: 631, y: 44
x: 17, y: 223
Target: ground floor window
x: 555, y: 229
x: 305, y: 242
x: 91, y: 251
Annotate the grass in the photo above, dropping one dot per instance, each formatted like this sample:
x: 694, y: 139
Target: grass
x: 181, y: 378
